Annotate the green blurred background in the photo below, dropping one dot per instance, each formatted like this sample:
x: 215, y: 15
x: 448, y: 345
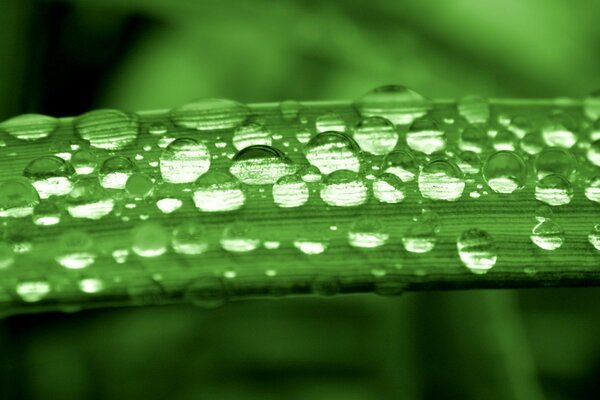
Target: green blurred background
x: 66, y: 57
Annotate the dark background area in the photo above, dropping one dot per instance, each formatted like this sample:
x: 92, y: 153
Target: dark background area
x: 66, y: 57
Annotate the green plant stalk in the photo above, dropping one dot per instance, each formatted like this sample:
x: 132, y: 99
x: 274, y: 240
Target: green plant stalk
x: 216, y: 276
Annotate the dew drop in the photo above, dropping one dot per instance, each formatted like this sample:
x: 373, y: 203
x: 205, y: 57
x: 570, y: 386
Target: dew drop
x: 532, y: 143
x: 593, y: 153
x: 139, y: 185
x: 477, y: 250
x: 420, y: 237
x: 239, y: 238
x: 32, y: 291
x: 7, y: 257
x: 158, y: 128
x: 469, y: 162
x: 554, y: 190
x: 29, y: 127
x: 210, y: 114
x: 260, y: 165
x: 91, y: 285
x: 591, y: 105
x: 402, y: 164
x: 290, y: 191
x: 441, y: 180
x: 89, y: 200
x: 168, y: 205
x: 84, y: 162
x: 473, y: 138
x: 555, y: 161
x: 396, y: 103
x: 543, y: 213
x: 290, y: 109
x: 330, y: 122
x: 594, y: 236
x: 367, y: 233
x: 46, y: 213
x: 149, y: 239
x: 388, y: 188
x: 376, y: 135
x: 251, y: 134
x: 343, y: 188
x: 18, y: 197
x: 115, y: 171
x: 75, y: 249
x: 218, y: 191
x: 50, y: 175
x: 592, y: 189
x: 559, y: 129
x: 310, y: 246
x: 548, y: 235
x: 425, y: 136
x: 107, y: 129
x: 310, y: 174
x: 303, y: 136
x: 475, y: 109
x: 505, y: 172
x: 332, y: 151
x: 505, y: 140
x: 189, y: 238
x: 206, y: 292
x: 184, y: 160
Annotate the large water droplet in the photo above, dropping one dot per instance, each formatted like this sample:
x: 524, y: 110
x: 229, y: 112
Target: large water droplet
x: 367, y: 233
x: 426, y: 136
x: 592, y: 189
x: 107, y: 129
x: 344, y: 188
x: 477, y: 250
x: 441, y: 180
x: 149, y: 239
x: 555, y: 161
x: 402, y: 164
x: 115, y: 171
x: 594, y: 236
x: 559, y: 130
x: 591, y: 105
x: 397, y: 103
x: 554, y: 190
x: 210, y: 114
x: 376, y: 135
x: 505, y: 172
x: 75, y: 249
x: 260, y: 165
x: 593, y: 153
x: 548, y: 235
x: 473, y: 138
x: 239, y: 238
x: 18, y: 197
x: 475, y: 109
x: 251, y: 134
x: 184, y: 160
x: 332, y: 151
x: 189, y: 238
x: 29, y: 126
x: 50, y: 175
x: 89, y: 200
x: 388, y: 188
x: 290, y: 191
x: 218, y: 191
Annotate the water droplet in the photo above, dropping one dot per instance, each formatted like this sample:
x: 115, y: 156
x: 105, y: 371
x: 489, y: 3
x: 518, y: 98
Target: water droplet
x: 475, y: 109
x: 594, y: 236
x: 251, y: 134
x: 396, y: 103
x: 184, y: 160
x: 388, y: 188
x: 332, y: 151
x: 426, y: 136
x: 46, y: 213
x: 477, y: 250
x: 591, y: 105
x: 473, y: 138
x: 505, y: 172
x: 543, y: 213
x: 593, y: 153
x: 402, y: 164
x: 218, y: 191
x: 89, y: 200
x: 420, y: 237
x: 84, y: 162
x: 505, y: 140
x: 29, y: 127
x: 554, y: 190
x: 376, y: 135
x: 158, y: 128
x: 115, y: 171
x: 343, y: 188
x: 206, y: 292
x: 168, y: 205
x: 75, y: 249
x: 260, y: 165
x: 441, y: 180
x: 91, y: 285
x: 139, y: 185
x: 7, y: 257
x: 469, y: 162
x: 555, y: 161
x: 559, y: 130
x: 239, y: 238
x: 532, y: 143
x: 290, y: 191
x: 107, y: 129
x: 290, y: 109
x: 210, y: 114
x: 189, y: 238
x: 310, y: 246
x: 592, y: 189
x: 310, y: 174
x: 17, y: 198
x: 50, y: 175
x: 548, y: 235
x: 33, y: 291
x: 303, y: 135
x: 330, y: 122
x: 367, y: 233
x: 149, y: 239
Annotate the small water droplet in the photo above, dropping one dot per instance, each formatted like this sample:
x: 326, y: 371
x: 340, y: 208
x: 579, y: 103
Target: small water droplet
x: 89, y: 200
x: 251, y: 134
x: 332, y: 151
x: 75, y: 249
x: 591, y: 105
x: 426, y: 136
x: 210, y: 114
x: 330, y: 122
x: 543, y: 213
x: 402, y: 164
x: 505, y: 172
x: 260, y: 165
x: 32, y: 291
x: 376, y: 135
x: 310, y: 246
x: 50, y: 175
x: 558, y: 130
x: 189, y: 238
x: 505, y: 140
x: 592, y: 189
x: 532, y: 143
x: 29, y: 127
x: 303, y: 135
x: 593, y: 153
x: 473, y: 138
x: 46, y: 213
x: 554, y: 190
x: 310, y: 174
x: 158, y: 128
x: 441, y: 180
x: 594, y: 236
x: 469, y: 162
x: 184, y: 160
x: 84, y: 162
x: 555, y: 161
x: 396, y: 103
x: 367, y: 233
x: 91, y: 285
x: 290, y: 109
x: 149, y: 239
x: 218, y: 191
x: 343, y: 188
x: 107, y: 129
x: 388, y: 188
x: 475, y: 109
x: 139, y: 185
x: 548, y: 235
x: 115, y: 171
x: 239, y: 237
x: 290, y: 191
x: 7, y: 257
x: 18, y: 197
x: 477, y: 250
x: 420, y: 237
x: 168, y: 205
